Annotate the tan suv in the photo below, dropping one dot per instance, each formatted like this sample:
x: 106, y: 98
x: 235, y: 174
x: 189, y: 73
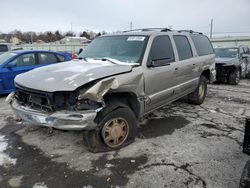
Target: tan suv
x: 117, y: 80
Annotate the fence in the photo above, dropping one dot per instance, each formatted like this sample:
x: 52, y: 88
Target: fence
x: 52, y: 47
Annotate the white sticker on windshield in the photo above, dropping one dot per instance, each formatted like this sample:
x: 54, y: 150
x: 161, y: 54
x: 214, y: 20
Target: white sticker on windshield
x: 136, y: 38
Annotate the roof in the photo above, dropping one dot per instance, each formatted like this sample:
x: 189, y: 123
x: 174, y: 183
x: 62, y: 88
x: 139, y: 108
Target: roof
x: 25, y: 51
x: 150, y: 31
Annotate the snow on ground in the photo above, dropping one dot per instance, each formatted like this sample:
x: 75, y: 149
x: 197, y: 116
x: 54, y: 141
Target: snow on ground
x: 5, y: 160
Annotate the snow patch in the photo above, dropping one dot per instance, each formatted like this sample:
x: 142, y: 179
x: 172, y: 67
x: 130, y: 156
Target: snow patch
x: 40, y: 185
x: 5, y: 160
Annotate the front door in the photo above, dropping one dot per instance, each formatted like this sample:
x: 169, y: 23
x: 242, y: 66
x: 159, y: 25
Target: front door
x: 160, y: 74
x: 21, y: 64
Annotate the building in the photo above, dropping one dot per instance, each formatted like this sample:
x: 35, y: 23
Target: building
x: 231, y: 41
x: 15, y: 40
x: 74, y: 40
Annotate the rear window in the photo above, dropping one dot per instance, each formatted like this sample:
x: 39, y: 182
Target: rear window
x: 3, y: 48
x: 202, y: 44
x: 60, y: 57
x: 45, y: 58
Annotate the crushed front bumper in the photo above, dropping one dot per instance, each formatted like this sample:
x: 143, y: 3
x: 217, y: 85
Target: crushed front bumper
x: 63, y: 120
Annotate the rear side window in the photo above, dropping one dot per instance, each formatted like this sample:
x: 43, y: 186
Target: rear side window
x: 202, y: 44
x: 47, y: 58
x: 162, y: 50
x: 3, y: 48
x: 60, y: 57
x: 183, y: 47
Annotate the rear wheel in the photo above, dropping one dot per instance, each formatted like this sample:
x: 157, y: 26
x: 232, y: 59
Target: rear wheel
x: 234, y: 77
x: 116, y: 129
x: 199, y: 95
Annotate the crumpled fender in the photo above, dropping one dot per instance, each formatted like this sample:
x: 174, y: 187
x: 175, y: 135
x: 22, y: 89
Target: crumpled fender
x: 130, y: 82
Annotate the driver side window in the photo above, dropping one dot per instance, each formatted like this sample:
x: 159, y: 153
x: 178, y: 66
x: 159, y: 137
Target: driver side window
x: 25, y: 60
x: 162, y: 51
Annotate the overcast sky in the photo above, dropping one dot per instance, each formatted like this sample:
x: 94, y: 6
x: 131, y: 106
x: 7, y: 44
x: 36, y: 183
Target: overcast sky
x: 113, y: 15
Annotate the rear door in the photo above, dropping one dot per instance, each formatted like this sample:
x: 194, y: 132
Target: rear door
x: 47, y: 58
x: 20, y: 64
x: 186, y: 65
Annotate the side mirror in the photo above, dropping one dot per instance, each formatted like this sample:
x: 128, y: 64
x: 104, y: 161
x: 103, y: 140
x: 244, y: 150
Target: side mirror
x: 160, y: 62
x: 80, y: 50
x: 10, y: 65
x: 245, y: 56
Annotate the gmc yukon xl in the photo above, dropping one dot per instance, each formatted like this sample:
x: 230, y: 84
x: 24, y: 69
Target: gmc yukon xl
x: 117, y: 80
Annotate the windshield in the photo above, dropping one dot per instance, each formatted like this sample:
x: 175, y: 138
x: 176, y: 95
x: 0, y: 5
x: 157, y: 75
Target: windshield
x: 5, y: 56
x: 127, y: 49
x: 226, y: 52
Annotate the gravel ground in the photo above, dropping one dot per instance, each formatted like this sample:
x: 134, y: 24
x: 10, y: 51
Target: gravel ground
x: 180, y: 145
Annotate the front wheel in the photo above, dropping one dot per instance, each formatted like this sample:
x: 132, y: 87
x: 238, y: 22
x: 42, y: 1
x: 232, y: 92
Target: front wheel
x: 199, y: 95
x: 116, y: 129
x: 234, y: 77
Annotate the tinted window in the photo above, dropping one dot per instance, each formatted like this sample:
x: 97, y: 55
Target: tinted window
x: 47, y: 58
x: 202, y: 44
x: 60, y: 57
x: 3, y: 48
x: 25, y: 60
x: 183, y: 47
x: 162, y: 50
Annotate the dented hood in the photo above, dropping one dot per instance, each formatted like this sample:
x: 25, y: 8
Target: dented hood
x: 68, y: 76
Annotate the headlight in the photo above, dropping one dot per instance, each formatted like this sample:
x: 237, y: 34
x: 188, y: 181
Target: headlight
x: 86, y: 104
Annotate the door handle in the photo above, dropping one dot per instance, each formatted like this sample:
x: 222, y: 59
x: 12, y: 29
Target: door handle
x: 176, y: 69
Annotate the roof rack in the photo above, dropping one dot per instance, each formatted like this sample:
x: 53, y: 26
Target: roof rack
x: 190, y: 31
x: 149, y: 29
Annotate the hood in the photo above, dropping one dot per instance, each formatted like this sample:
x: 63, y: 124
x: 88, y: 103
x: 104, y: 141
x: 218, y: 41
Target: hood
x: 226, y: 61
x: 68, y: 76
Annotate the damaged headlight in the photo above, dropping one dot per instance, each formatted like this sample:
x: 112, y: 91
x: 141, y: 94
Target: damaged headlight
x: 86, y: 104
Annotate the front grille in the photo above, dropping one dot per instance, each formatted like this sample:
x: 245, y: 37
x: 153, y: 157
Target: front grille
x: 37, y: 100
x: 45, y: 101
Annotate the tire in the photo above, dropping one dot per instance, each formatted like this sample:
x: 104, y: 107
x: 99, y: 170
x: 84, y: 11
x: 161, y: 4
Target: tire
x: 199, y: 95
x: 243, y: 74
x: 234, y: 77
x: 248, y: 75
x: 116, y: 128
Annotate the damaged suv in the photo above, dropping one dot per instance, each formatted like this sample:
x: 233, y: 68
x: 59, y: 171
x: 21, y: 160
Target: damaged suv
x: 232, y: 63
x: 117, y: 80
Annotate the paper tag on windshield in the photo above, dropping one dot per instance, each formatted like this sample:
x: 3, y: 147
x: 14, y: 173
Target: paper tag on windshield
x: 136, y: 38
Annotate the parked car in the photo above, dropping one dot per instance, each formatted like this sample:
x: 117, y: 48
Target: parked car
x: 16, y: 62
x: 232, y: 63
x: 71, y: 54
x: 4, y: 47
x: 121, y: 78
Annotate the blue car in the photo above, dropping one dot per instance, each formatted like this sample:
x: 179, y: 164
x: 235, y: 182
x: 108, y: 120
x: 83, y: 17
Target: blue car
x: 16, y: 62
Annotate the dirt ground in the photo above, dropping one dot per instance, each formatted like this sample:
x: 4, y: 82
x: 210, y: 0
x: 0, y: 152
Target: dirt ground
x: 180, y: 145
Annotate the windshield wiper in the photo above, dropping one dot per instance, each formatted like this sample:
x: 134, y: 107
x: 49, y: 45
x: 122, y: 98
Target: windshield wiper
x: 82, y: 58
x: 106, y: 59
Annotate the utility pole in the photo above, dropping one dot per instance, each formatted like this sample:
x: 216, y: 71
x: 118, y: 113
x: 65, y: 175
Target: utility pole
x: 211, y: 28
x: 131, y: 26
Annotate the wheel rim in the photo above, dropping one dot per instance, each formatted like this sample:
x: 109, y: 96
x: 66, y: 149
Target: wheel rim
x: 201, y: 90
x: 115, y: 132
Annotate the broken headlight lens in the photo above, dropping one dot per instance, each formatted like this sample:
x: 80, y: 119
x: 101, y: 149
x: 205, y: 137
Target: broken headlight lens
x: 86, y: 104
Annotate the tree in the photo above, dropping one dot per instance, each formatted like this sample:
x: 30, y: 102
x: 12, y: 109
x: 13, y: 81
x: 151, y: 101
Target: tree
x: 58, y: 35
x: 85, y: 34
x: 70, y: 34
